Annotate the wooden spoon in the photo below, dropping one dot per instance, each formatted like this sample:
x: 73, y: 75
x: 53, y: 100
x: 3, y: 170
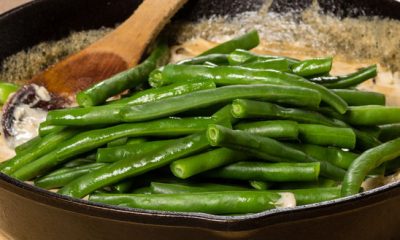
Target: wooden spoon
x: 117, y: 51
x: 114, y: 53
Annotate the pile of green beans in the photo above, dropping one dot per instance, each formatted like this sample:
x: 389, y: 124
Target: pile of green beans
x: 226, y: 132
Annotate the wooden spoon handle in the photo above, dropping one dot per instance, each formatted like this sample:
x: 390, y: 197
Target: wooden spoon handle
x: 139, y: 29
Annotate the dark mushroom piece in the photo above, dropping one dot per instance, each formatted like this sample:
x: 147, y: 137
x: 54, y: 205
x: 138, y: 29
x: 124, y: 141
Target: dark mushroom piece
x: 24, y: 111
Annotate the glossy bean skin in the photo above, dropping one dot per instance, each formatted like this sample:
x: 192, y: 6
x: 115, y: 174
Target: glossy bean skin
x: 46, y: 128
x: 212, y: 202
x: 360, y: 98
x: 336, y: 156
x: 371, y: 115
x: 174, y: 188
x: 154, y: 94
x: 347, y: 81
x: 320, y: 183
x: 312, y: 67
x: 216, y: 58
x: 109, y: 114
x: 28, y: 144
x: 63, y: 176
x: 232, y: 75
x: 128, y: 152
x: 225, y: 115
x: 127, y: 168
x: 89, y: 140
x: 190, y: 166
x: 100, y: 92
x: 29, y: 155
x: 205, y: 98
x: 314, y: 195
x: 269, y: 172
x: 279, y: 64
x: 266, y: 149
x: 242, y: 108
x: 366, y: 162
x: 117, y: 142
x: 246, y: 41
x: 241, y: 56
x: 277, y: 129
x: 327, y: 136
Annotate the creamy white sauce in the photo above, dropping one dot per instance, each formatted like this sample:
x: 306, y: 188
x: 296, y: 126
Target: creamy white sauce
x: 26, y: 124
x: 287, y: 200
x: 27, y: 119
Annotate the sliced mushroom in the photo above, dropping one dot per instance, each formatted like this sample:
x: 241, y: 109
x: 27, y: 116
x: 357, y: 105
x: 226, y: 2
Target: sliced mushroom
x: 24, y: 111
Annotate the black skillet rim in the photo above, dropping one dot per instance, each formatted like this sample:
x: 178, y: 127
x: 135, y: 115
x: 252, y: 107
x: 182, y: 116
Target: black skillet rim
x: 198, y: 220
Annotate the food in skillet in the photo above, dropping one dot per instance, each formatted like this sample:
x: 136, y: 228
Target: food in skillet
x: 226, y: 132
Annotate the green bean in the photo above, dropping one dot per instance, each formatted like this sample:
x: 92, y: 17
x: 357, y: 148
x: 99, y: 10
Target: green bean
x: 365, y: 141
x: 367, y: 161
x: 5, y: 90
x: 320, y: 183
x: 265, y: 148
x: 232, y: 75
x: 154, y: 94
x: 336, y: 156
x: 347, y: 81
x: 117, y: 142
x: 359, y: 98
x: 312, y: 67
x: 24, y: 158
x: 372, y: 115
x: 204, y: 98
x: 389, y: 132
x: 246, y: 41
x: 128, y: 151
x: 327, y: 136
x: 240, y: 56
x: 314, y: 195
x: 126, y: 168
x: 100, y: 92
x: 212, y: 202
x: 47, y: 128
x: 279, y: 64
x: 142, y: 190
x: 373, y: 131
x: 63, y: 176
x: 278, y: 129
x: 242, y: 108
x: 216, y: 58
x: 93, y: 139
x: 173, y: 188
x: 109, y: 114
x: 124, y: 186
x: 28, y: 144
x: 134, y: 141
x: 270, y: 172
x: 260, y: 185
x: 77, y: 162
x: 225, y: 115
x: 187, y: 167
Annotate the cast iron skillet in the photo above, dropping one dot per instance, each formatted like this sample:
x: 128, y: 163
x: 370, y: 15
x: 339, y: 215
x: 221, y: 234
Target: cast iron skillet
x: 27, y: 212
